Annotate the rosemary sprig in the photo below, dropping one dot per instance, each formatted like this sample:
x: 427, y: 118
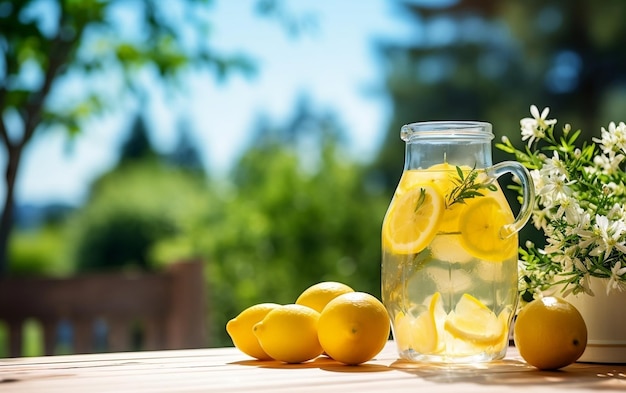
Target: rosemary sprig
x: 466, y: 187
x: 420, y: 200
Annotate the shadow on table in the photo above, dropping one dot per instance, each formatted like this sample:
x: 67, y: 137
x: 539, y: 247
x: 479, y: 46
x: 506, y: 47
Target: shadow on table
x: 518, y: 373
x: 505, y: 372
x: 322, y: 363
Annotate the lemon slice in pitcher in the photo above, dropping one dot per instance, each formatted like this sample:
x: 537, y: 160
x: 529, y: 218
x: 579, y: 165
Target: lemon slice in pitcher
x: 480, y: 226
x: 412, y: 220
x: 474, y: 322
x: 427, y: 335
x: 438, y: 176
x: 422, y: 334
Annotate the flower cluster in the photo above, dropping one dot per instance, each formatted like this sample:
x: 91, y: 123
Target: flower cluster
x: 580, y: 206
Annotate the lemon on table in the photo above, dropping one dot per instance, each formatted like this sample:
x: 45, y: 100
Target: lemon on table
x: 353, y: 327
x: 481, y: 224
x: 289, y: 333
x: 317, y: 296
x: 550, y: 333
x: 412, y: 220
x: 473, y: 322
x: 240, y: 329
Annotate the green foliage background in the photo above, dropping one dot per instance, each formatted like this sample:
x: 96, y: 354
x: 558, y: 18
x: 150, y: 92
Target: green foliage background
x: 285, y: 218
x: 284, y: 228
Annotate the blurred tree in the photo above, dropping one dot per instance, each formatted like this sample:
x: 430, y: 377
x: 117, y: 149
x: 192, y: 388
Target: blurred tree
x: 136, y: 207
x: 137, y: 146
x: 490, y: 60
x: 296, y: 213
x: 45, y: 44
x: 185, y: 154
x: 40, y: 253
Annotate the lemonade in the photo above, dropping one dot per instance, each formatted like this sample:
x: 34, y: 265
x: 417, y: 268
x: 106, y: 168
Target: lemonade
x: 449, y: 265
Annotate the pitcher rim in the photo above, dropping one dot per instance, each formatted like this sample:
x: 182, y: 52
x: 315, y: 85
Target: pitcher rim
x: 447, y: 129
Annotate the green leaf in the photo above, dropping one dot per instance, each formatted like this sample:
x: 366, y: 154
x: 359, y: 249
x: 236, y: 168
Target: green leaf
x: 460, y: 173
x: 420, y: 200
x: 573, y: 137
x: 466, y: 188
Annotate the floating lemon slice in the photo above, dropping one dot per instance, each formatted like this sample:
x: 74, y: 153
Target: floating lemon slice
x: 444, y: 178
x: 422, y: 333
x: 473, y: 322
x: 480, y: 226
x: 412, y: 220
x: 437, y: 176
x: 402, y: 328
x: 447, y: 248
x: 427, y: 336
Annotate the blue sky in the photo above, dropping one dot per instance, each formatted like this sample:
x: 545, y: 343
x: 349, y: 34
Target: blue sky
x: 335, y: 64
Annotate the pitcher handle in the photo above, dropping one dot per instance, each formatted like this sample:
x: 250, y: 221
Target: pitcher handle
x: 528, y: 194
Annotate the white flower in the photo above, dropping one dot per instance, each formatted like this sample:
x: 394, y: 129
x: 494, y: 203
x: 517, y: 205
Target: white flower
x: 617, y: 271
x: 554, y: 167
x: 541, y: 119
x: 530, y: 131
x: 580, y: 206
x: 615, y: 189
x: 537, y: 180
x: 617, y: 212
x: 609, y: 162
x: 556, y: 244
x: 607, y: 139
x: 578, y: 220
x: 540, y: 219
x: 563, y: 256
x: 613, y: 139
x: 620, y: 135
x: 603, y: 237
x: 535, y: 127
x: 570, y: 209
x: 566, y: 129
x: 582, y: 266
x: 556, y: 188
x: 584, y: 285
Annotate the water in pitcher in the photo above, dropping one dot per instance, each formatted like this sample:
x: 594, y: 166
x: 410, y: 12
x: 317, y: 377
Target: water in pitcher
x: 449, y: 272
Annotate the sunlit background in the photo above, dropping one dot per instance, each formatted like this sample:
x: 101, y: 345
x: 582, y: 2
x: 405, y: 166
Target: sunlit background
x: 328, y: 59
x: 263, y: 136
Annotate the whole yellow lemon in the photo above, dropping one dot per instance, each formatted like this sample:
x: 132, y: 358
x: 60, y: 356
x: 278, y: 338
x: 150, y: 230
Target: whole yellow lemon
x: 550, y: 333
x: 317, y: 296
x: 353, y: 327
x: 240, y: 329
x: 289, y: 333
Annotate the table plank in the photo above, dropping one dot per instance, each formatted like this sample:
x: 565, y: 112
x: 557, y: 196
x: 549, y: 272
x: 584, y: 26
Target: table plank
x: 228, y: 370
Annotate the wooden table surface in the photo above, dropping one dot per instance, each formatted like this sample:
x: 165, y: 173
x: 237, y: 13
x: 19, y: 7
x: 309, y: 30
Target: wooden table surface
x: 228, y: 370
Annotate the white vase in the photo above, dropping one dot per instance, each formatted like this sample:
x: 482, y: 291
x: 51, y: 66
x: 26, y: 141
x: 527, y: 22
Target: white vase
x: 605, y: 317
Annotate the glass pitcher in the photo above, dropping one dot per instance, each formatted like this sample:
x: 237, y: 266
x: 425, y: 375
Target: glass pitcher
x: 450, y: 246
